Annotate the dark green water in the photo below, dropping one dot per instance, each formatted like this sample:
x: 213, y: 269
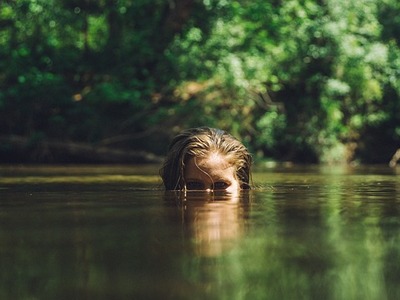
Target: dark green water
x: 111, y: 233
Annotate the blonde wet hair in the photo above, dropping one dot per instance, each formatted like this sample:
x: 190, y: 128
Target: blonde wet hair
x: 202, y: 142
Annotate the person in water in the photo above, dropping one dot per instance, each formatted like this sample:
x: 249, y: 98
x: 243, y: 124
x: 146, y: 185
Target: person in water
x: 206, y: 159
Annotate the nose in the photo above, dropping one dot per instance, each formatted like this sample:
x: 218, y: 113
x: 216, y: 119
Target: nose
x: 208, y: 186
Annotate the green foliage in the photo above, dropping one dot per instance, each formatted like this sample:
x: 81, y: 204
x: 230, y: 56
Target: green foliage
x: 296, y: 80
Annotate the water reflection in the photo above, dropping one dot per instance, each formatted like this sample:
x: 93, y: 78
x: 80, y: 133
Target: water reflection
x: 305, y: 235
x: 213, y: 221
x: 332, y: 238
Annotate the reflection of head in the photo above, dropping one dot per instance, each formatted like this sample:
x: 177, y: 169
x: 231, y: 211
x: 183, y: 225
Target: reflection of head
x: 214, y: 222
x: 202, y: 142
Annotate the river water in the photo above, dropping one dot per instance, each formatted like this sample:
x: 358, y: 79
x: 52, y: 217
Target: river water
x: 110, y: 232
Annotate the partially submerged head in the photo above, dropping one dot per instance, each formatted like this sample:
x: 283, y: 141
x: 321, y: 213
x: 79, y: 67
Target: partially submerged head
x: 206, y: 159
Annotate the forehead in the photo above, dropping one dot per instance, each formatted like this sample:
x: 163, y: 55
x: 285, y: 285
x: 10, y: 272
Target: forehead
x: 215, y: 165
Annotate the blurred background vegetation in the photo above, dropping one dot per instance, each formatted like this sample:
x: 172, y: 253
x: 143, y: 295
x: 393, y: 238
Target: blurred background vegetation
x: 297, y: 80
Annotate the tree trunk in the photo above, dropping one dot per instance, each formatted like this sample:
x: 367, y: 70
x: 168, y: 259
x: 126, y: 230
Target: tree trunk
x: 76, y: 151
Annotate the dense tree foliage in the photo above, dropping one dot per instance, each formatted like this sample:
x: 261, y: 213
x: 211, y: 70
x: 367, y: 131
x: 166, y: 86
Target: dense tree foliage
x: 302, y: 80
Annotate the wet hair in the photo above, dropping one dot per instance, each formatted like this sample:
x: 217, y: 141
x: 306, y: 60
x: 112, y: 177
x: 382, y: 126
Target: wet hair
x: 201, y: 142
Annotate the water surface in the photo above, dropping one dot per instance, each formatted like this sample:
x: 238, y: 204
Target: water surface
x: 110, y: 232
